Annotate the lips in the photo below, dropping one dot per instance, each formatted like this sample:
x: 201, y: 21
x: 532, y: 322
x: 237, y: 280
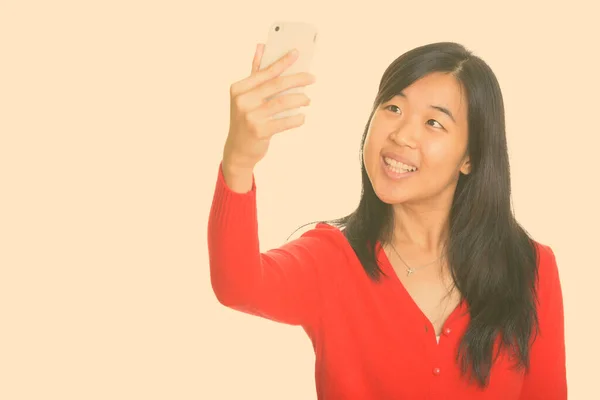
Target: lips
x: 395, y: 170
x: 399, y: 159
x: 397, y: 167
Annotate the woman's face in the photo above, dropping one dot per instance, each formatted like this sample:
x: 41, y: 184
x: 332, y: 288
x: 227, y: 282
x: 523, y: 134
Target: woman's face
x: 416, y: 143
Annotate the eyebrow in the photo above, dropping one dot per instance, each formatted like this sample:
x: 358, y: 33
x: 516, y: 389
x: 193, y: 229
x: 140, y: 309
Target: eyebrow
x: 439, y: 108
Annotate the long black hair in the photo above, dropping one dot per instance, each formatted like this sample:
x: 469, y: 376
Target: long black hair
x: 492, y: 259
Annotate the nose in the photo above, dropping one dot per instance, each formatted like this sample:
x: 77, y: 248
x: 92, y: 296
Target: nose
x: 405, y: 135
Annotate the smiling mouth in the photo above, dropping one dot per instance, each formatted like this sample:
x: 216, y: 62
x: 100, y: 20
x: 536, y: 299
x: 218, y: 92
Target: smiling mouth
x: 397, y: 166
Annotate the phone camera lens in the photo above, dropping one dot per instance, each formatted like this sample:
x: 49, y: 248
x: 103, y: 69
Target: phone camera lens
x: 276, y: 28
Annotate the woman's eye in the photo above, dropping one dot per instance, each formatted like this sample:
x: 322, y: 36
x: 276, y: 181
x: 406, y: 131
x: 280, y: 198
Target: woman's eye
x: 395, y: 109
x: 434, y: 121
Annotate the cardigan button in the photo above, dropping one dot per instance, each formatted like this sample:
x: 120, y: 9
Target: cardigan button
x: 447, y: 331
x: 436, y: 371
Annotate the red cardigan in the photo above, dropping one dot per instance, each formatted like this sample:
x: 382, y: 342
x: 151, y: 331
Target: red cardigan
x: 370, y: 339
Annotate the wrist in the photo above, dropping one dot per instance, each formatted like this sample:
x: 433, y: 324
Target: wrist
x: 238, y: 178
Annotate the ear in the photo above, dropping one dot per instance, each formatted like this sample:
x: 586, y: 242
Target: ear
x: 466, y: 166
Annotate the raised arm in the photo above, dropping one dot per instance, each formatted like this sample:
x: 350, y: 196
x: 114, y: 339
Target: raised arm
x: 547, y: 378
x: 282, y: 284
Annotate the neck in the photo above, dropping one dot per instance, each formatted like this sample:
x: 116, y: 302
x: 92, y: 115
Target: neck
x: 421, y: 227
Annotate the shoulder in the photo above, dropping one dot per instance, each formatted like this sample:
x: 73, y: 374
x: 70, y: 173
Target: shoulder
x: 324, y: 234
x: 548, y: 284
x: 546, y: 261
x: 320, y: 239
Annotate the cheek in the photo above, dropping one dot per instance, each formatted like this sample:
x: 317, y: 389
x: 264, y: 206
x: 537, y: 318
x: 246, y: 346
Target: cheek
x: 440, y: 156
x: 374, y: 142
x: 371, y: 150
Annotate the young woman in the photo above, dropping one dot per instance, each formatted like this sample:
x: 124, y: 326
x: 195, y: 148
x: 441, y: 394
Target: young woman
x: 430, y: 289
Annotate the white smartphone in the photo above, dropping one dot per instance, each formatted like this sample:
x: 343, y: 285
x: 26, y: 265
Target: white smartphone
x: 284, y: 36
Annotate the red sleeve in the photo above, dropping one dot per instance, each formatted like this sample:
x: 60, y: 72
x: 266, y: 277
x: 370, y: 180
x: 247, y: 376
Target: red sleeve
x: 547, y: 378
x: 281, y: 284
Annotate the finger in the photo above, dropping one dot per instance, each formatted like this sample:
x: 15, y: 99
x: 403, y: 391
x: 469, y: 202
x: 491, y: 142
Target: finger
x: 252, y: 100
x: 265, y: 74
x: 282, y: 103
x: 260, y: 48
x: 279, y: 125
x: 282, y: 83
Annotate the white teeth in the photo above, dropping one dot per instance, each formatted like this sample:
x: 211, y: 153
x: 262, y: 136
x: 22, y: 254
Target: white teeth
x: 397, y: 166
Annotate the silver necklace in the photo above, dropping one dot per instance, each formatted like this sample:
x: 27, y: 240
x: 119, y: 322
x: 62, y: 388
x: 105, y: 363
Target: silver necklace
x: 410, y: 270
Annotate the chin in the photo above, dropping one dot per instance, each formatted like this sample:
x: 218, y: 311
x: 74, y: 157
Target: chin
x: 390, y: 195
x: 393, y: 200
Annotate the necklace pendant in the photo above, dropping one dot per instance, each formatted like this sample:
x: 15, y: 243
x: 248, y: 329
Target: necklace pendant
x: 410, y: 271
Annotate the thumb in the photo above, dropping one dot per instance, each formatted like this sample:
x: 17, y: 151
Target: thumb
x: 260, y: 48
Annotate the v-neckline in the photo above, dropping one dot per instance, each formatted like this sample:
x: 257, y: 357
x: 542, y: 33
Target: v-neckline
x: 389, y: 270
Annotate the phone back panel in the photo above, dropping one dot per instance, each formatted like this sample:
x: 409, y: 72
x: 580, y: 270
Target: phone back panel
x: 282, y: 38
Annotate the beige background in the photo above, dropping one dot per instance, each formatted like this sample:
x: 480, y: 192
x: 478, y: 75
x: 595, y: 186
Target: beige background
x: 113, y: 117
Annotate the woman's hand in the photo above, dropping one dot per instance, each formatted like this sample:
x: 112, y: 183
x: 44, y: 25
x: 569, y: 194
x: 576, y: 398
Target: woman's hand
x: 251, y: 111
